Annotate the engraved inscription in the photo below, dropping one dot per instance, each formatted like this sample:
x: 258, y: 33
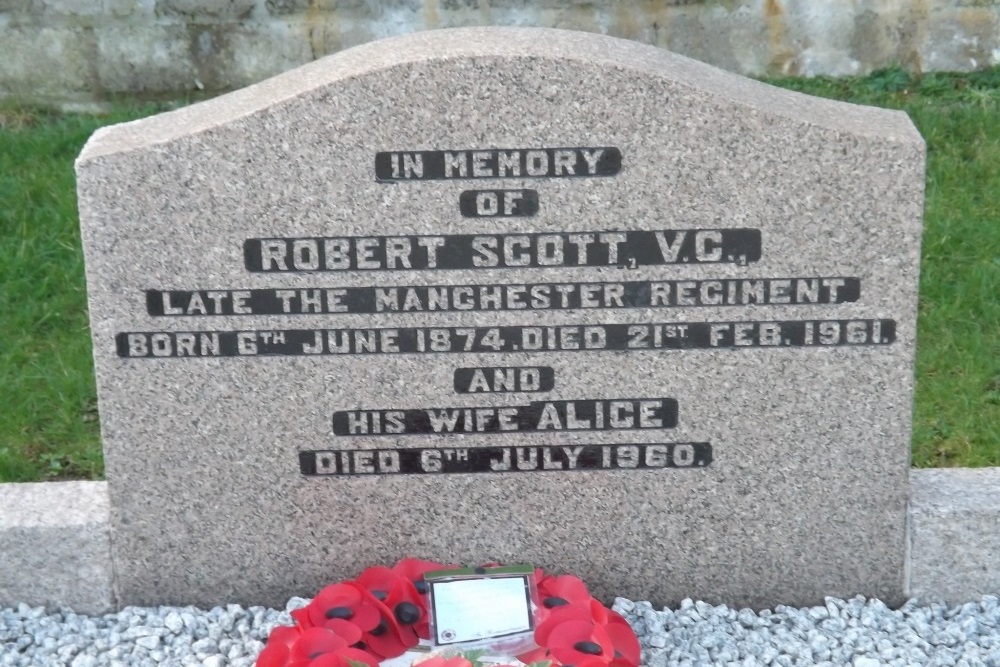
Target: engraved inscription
x: 580, y: 415
x: 567, y: 338
x: 522, y: 296
x: 394, y: 166
x: 505, y: 459
x: 493, y: 380
x: 503, y: 251
x: 597, y: 253
x: 498, y: 203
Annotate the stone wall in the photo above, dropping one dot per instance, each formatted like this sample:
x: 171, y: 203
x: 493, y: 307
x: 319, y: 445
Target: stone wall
x: 68, y: 51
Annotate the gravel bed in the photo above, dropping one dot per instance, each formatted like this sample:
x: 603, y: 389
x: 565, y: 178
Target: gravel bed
x: 857, y: 632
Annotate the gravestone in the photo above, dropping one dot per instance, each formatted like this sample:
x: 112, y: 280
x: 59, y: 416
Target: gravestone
x: 507, y: 295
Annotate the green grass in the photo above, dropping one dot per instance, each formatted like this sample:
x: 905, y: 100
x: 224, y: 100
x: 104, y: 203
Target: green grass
x: 957, y: 411
x: 48, y: 419
x: 48, y: 408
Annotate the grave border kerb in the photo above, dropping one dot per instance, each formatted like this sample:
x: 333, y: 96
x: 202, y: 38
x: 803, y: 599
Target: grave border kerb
x: 56, y: 539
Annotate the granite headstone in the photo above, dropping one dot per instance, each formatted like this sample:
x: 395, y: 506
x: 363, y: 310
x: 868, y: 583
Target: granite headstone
x: 513, y: 295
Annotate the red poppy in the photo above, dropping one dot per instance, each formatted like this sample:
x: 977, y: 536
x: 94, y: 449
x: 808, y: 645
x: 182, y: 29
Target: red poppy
x: 554, y: 592
x: 312, y: 644
x: 279, y: 646
x: 314, y: 647
x: 581, y: 643
x: 556, y: 616
x: 377, y: 579
x: 346, y: 630
x: 379, y: 616
x: 414, y: 570
x: 398, y: 593
x: 342, y: 605
x: 560, y: 615
x: 273, y: 656
x: 624, y: 640
x: 601, y: 614
x: 624, y: 644
x: 344, y: 601
x: 386, y: 640
x: 564, y: 587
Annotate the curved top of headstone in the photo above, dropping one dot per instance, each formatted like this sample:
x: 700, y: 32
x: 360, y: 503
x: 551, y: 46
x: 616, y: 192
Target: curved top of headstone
x: 514, y: 44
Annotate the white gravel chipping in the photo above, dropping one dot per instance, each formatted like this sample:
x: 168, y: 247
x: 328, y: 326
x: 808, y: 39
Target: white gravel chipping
x: 857, y: 632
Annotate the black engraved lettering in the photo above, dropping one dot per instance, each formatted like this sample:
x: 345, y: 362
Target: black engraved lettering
x: 483, y: 380
x: 399, y: 166
x: 465, y: 251
x: 564, y: 338
x: 529, y: 296
x: 545, y: 458
x: 498, y: 203
x: 545, y: 416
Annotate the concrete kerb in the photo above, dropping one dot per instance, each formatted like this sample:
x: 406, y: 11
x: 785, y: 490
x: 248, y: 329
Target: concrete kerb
x: 55, y: 542
x: 55, y: 546
x: 954, y: 533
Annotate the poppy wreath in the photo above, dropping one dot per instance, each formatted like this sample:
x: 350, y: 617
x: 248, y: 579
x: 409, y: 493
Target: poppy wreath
x: 383, y: 613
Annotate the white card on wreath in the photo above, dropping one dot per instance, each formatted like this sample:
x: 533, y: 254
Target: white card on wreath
x: 467, y: 606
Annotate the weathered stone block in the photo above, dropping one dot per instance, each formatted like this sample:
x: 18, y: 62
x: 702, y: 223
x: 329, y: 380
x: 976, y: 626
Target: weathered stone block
x: 16, y: 6
x: 238, y: 9
x: 280, y: 7
x: 137, y: 10
x: 962, y: 38
x: 255, y: 51
x: 151, y: 57
x: 68, y: 8
x: 46, y: 62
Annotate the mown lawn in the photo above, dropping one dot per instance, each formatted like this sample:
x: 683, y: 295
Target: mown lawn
x: 48, y: 413
x: 957, y: 412
x: 48, y: 404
